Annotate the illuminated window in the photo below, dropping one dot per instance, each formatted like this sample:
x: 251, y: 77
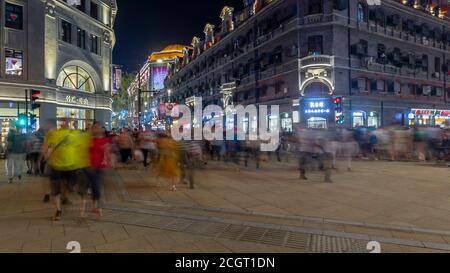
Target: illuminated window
x: 14, y: 62
x: 362, y: 13
x: 75, y: 77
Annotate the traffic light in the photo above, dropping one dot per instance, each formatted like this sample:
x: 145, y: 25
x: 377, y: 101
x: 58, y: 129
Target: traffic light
x: 33, y: 119
x: 34, y: 97
x: 22, y: 121
x: 338, y: 102
x: 339, y: 110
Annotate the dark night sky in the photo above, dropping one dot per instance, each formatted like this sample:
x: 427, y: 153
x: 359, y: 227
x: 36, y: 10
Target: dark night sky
x: 145, y: 26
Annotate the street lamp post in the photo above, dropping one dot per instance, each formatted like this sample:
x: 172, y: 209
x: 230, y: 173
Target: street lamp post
x: 139, y: 99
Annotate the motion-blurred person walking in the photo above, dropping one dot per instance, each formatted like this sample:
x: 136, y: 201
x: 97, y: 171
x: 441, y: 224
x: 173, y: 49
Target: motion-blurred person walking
x: 16, y: 152
x: 169, y: 159
x: 146, y: 144
x: 125, y: 142
x: 191, y: 155
x: 61, y: 156
x: 34, y: 150
x: 99, y: 151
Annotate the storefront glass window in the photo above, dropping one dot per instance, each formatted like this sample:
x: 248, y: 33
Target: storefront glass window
x: 429, y: 117
x: 359, y: 119
x: 317, y: 123
x: 286, y: 123
x: 373, y: 120
x: 78, y: 118
x: 274, y: 123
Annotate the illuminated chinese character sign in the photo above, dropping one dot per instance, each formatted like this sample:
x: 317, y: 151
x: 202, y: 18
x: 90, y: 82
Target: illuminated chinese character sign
x: 314, y: 108
x: 317, y: 107
x: 77, y: 100
x: 159, y: 74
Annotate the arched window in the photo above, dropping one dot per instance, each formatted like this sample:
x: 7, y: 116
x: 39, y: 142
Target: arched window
x: 76, y: 78
x: 317, y: 89
x: 362, y: 13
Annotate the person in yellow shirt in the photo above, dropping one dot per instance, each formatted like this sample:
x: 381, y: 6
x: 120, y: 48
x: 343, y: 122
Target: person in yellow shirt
x: 67, y: 154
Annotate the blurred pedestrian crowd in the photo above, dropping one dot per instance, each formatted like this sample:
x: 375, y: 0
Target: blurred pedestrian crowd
x: 75, y: 160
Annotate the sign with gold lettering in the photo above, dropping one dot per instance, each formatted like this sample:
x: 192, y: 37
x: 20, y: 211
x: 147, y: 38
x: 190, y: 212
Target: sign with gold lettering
x: 77, y: 100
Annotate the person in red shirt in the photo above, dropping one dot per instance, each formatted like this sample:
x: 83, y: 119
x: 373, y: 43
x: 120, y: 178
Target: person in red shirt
x: 100, y: 160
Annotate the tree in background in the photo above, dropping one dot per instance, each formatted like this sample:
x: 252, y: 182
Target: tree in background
x: 121, y: 102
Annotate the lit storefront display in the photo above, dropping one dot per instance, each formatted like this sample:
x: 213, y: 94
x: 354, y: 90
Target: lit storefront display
x: 359, y: 118
x: 274, y: 123
x: 286, y: 123
x: 373, y: 120
x: 8, y: 119
x: 364, y: 119
x: 79, y: 118
x: 429, y: 117
x: 317, y: 113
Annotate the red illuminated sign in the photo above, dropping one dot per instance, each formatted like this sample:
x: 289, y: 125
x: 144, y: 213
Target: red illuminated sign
x: 430, y: 112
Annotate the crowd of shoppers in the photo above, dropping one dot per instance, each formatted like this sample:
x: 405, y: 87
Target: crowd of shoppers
x: 75, y: 160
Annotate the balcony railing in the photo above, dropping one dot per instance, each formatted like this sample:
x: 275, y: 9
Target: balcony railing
x: 279, y: 69
x: 396, y: 33
x: 317, y: 19
x: 374, y: 66
x: 392, y: 69
x: 317, y: 60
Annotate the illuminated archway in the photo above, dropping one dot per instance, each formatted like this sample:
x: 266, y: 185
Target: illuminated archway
x: 76, y: 78
x: 317, y: 88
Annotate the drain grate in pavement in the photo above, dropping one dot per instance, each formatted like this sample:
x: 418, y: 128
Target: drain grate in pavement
x: 274, y: 237
x: 233, y: 232
x: 327, y: 244
x: 214, y: 229
x: 268, y: 236
x: 196, y: 228
x: 253, y: 234
x: 178, y: 225
x: 298, y: 241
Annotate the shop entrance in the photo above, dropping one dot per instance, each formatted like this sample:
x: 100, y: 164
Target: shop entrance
x: 78, y: 118
x: 429, y: 117
x: 317, y: 123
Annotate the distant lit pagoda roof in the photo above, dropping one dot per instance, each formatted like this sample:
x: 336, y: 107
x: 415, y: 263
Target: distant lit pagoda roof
x: 169, y: 53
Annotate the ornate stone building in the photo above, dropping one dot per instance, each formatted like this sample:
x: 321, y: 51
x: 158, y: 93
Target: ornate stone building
x: 62, y: 48
x: 388, y: 63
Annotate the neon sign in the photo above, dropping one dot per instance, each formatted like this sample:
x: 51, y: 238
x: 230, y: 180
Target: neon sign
x: 431, y: 112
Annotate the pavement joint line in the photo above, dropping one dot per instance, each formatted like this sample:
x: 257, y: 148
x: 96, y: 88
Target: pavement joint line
x: 431, y: 231
x: 439, y: 246
x: 403, y: 242
x: 394, y: 228
x: 23, y: 212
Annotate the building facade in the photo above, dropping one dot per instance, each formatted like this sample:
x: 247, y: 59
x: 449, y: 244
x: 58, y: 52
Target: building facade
x: 386, y: 64
x: 62, y: 48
